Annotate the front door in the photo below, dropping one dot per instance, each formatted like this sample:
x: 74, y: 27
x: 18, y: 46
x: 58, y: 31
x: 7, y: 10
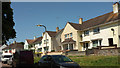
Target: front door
x: 110, y: 40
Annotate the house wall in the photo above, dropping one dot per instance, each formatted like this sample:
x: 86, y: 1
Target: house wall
x: 79, y: 33
x: 67, y: 30
x: 105, y: 33
x: 49, y: 43
x: 57, y: 41
x: 119, y: 33
x: 26, y: 45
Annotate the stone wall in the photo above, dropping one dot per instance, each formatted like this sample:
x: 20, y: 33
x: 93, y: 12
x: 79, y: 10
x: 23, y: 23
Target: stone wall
x: 114, y: 51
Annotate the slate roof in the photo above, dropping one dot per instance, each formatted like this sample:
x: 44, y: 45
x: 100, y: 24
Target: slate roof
x: 53, y: 33
x: 96, y: 21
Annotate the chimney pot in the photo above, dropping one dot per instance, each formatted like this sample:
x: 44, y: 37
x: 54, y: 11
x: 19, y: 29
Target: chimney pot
x: 80, y: 20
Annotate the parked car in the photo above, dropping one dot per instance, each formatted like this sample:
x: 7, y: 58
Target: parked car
x: 9, y: 62
x: 56, y: 61
x: 5, y: 57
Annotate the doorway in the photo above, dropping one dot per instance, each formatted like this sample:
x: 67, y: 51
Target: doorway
x: 110, y: 41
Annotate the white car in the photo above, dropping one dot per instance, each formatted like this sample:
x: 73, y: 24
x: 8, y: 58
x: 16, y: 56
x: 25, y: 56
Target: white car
x: 5, y: 57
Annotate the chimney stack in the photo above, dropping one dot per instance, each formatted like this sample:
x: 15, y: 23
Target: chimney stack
x: 80, y: 20
x: 116, y: 7
x: 34, y: 37
x: 57, y: 29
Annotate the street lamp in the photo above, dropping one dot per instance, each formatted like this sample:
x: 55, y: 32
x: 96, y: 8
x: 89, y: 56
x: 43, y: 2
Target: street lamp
x: 45, y: 36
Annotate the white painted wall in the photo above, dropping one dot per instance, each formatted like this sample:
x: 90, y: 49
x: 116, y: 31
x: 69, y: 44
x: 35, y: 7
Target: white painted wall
x: 105, y: 33
x: 26, y: 45
x: 49, y: 43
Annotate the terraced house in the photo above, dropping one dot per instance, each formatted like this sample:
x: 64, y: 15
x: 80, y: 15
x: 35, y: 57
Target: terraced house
x: 100, y: 31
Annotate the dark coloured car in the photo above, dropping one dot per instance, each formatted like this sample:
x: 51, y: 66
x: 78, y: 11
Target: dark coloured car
x: 56, y: 61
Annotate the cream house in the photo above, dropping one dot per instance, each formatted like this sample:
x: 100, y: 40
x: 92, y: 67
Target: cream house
x: 103, y: 30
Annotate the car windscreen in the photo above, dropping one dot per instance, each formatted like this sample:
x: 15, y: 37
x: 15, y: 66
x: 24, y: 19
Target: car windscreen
x: 61, y: 58
x: 7, y: 56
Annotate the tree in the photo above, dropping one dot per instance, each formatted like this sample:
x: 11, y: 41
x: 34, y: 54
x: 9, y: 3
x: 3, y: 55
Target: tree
x: 8, y: 31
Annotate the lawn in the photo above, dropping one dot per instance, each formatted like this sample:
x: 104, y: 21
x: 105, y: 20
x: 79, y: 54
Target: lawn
x: 96, y: 60
x: 92, y: 60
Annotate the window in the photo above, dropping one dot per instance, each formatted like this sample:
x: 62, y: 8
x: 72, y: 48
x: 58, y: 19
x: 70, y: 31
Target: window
x: 47, y: 40
x: 70, y: 34
x: 96, y: 30
x: 44, y: 41
x: 65, y: 35
x: 60, y: 39
x: 95, y: 43
x: 46, y: 48
x: 86, y: 32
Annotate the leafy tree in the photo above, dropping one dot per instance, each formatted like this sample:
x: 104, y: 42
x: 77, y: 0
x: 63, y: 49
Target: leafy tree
x: 8, y: 31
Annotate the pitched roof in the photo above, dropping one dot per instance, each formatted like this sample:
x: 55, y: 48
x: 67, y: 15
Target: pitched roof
x: 31, y: 41
x: 15, y: 46
x: 52, y: 33
x: 38, y: 39
x: 96, y: 21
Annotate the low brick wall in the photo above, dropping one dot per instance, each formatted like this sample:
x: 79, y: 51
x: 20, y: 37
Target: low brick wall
x: 94, y: 51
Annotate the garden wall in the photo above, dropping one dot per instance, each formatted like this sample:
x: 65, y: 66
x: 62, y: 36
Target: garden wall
x: 113, y: 51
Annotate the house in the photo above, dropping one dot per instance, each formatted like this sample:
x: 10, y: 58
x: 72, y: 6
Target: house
x: 52, y: 43
x: 34, y: 44
x: 103, y: 30
x: 12, y: 48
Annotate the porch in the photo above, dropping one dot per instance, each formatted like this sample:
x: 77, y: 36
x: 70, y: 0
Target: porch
x: 68, y: 44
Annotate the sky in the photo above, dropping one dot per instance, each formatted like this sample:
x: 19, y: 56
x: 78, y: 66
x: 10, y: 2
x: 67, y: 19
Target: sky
x: 52, y: 14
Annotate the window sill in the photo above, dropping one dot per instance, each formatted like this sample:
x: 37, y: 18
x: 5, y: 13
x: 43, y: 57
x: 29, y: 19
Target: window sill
x: 96, y: 33
x: 86, y: 35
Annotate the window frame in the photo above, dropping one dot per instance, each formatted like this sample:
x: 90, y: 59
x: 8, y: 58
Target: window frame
x: 85, y: 33
x: 96, y: 30
x: 71, y: 34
